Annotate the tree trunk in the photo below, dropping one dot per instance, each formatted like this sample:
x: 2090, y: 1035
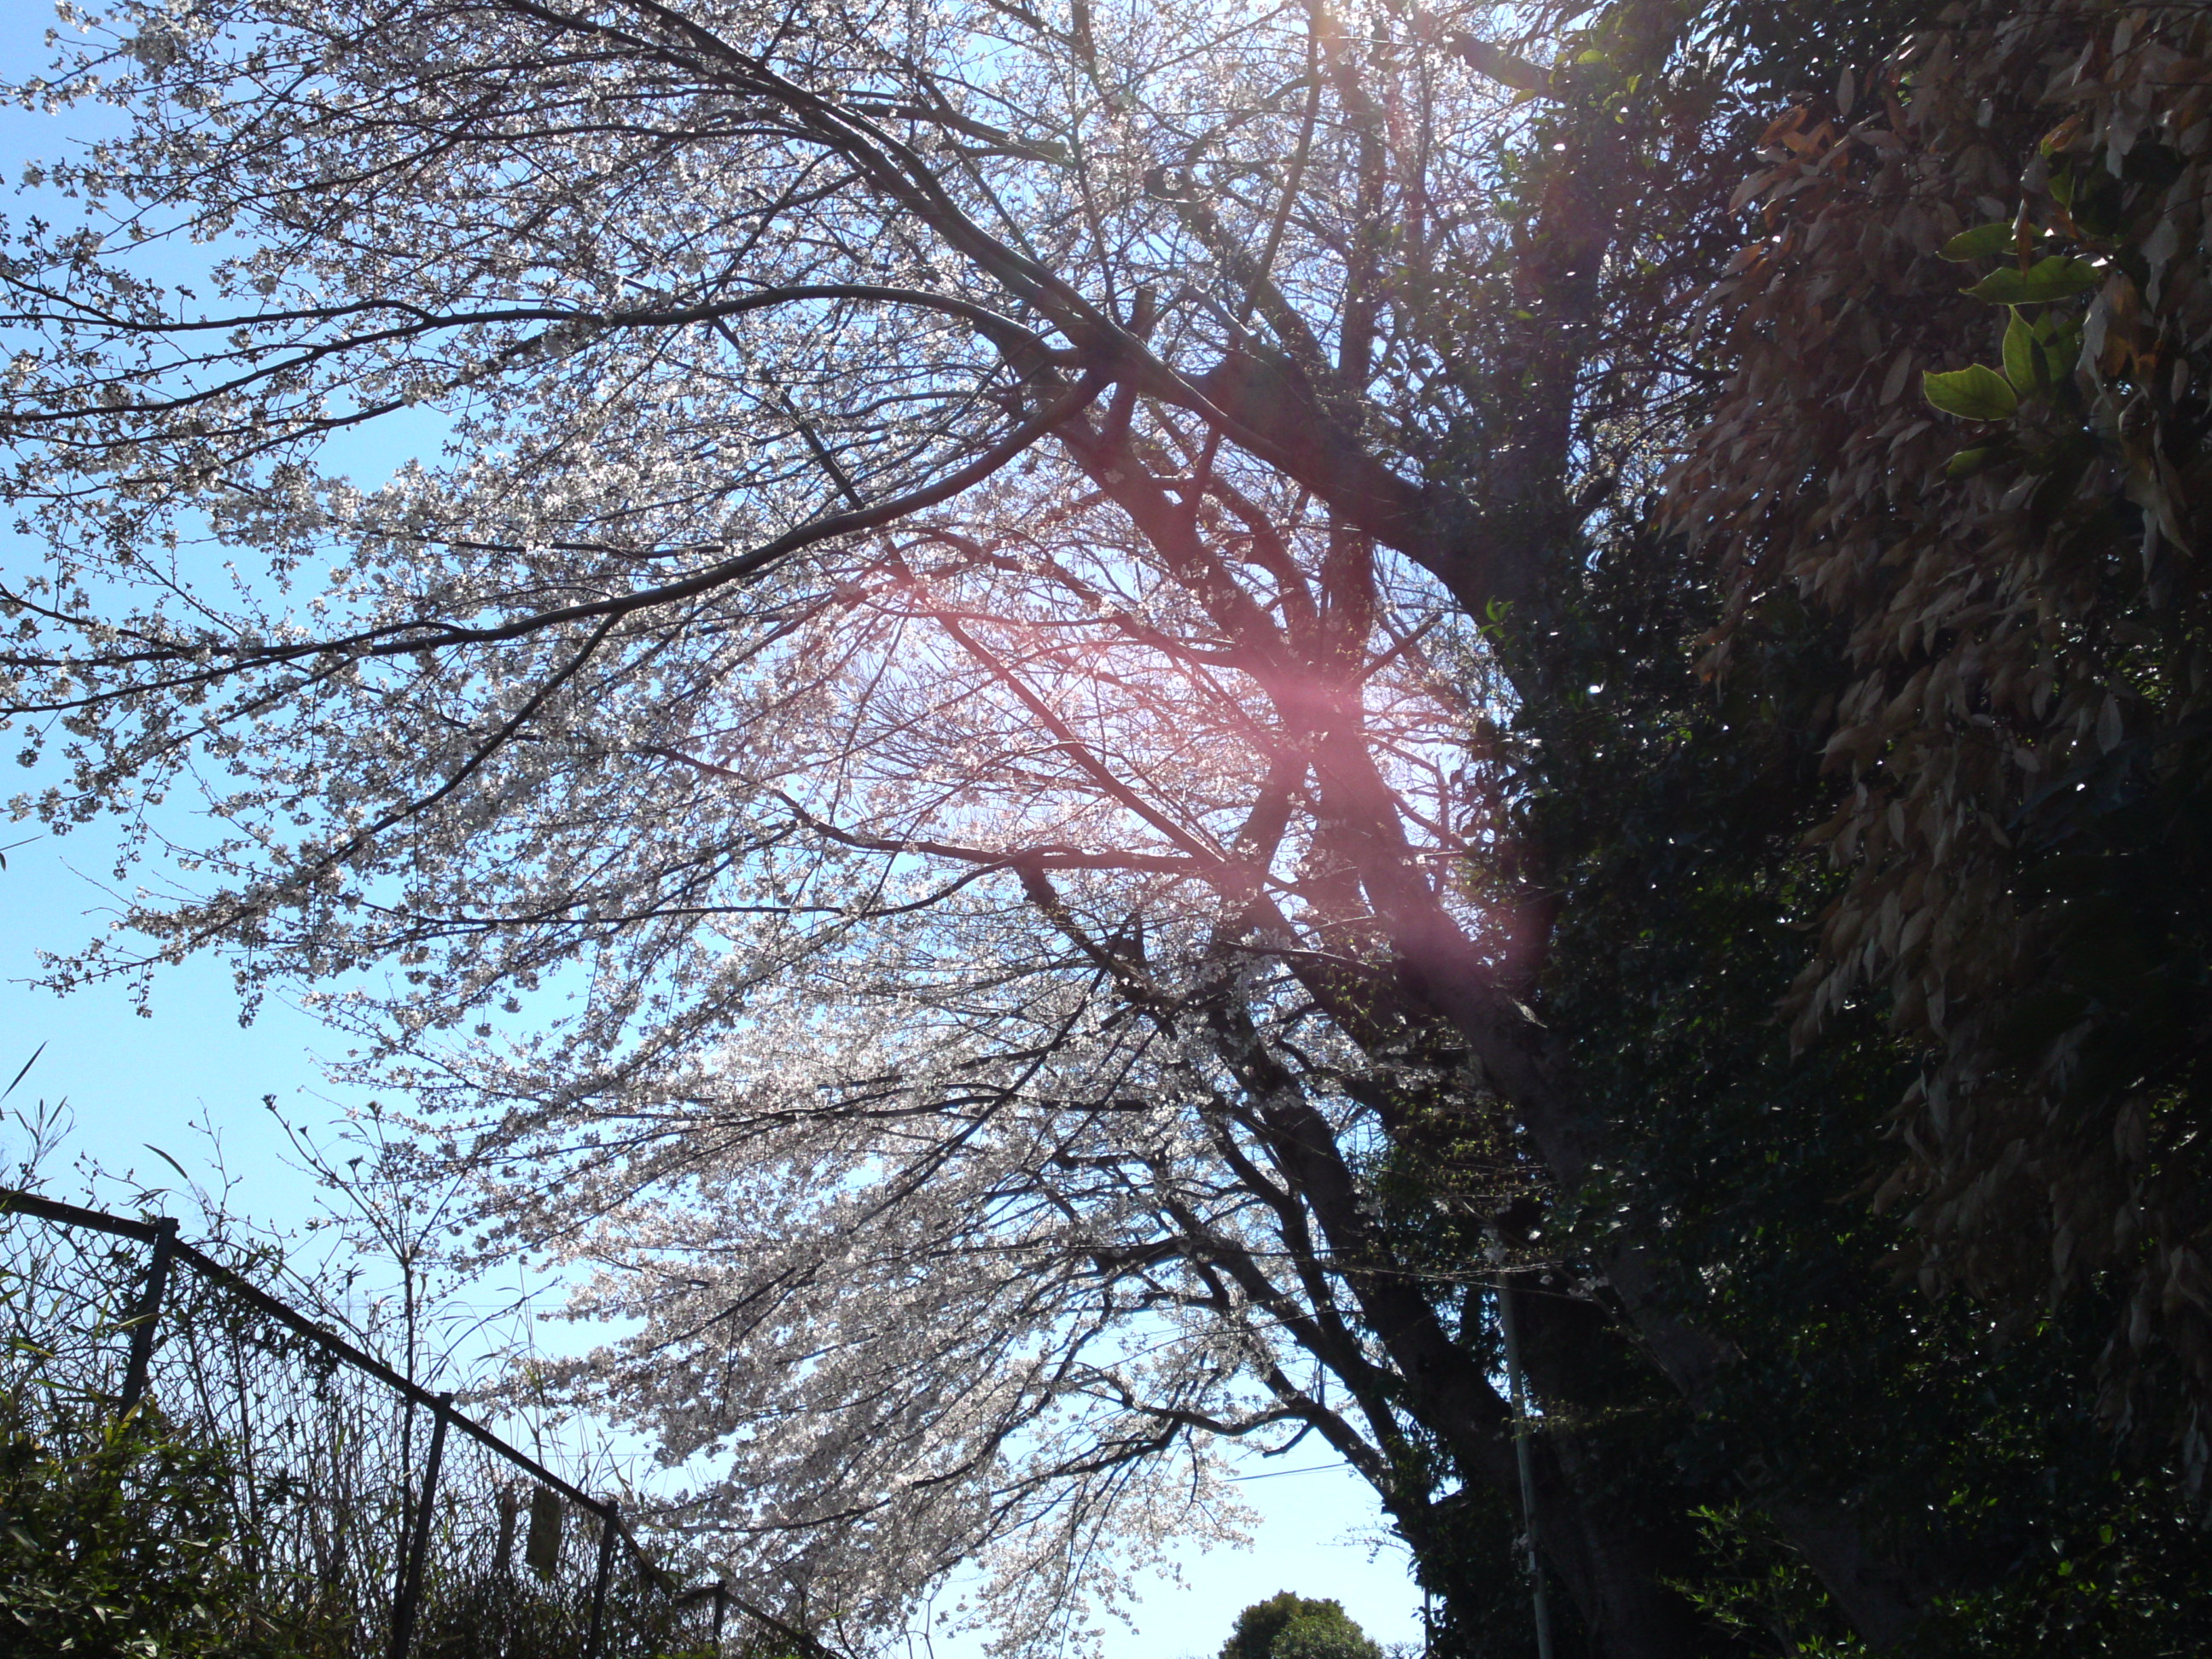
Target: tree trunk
x: 1603, y: 1551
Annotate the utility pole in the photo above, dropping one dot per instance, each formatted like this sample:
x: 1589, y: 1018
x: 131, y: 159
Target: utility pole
x: 1523, y: 1453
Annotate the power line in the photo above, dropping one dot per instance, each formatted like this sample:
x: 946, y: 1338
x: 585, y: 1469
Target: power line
x: 1276, y: 1474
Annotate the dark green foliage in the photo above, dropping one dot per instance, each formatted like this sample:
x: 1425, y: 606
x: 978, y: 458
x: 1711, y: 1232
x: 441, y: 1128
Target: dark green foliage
x: 1775, y: 54
x: 1664, y: 817
x: 1323, y: 1636
x: 509, y: 1615
x: 1287, y: 1625
x: 1482, y: 1608
x: 116, y: 1540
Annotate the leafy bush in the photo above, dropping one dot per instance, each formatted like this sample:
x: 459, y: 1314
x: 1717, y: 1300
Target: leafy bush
x: 1323, y: 1636
x: 119, y: 1541
x: 1288, y: 1626
x: 508, y: 1616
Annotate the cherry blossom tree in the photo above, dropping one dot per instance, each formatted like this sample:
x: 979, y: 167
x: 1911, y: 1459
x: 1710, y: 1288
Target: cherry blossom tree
x: 1047, y: 1050
x: 923, y: 764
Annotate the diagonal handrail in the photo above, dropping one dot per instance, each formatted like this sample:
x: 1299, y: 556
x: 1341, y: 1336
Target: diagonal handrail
x: 15, y: 1202
x: 71, y: 1215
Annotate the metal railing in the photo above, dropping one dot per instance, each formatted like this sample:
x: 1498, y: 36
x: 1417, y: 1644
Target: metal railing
x: 407, y: 1544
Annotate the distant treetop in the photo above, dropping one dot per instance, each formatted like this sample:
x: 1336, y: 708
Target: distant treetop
x: 1287, y: 1625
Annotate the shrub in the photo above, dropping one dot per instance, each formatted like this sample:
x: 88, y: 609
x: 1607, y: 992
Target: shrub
x: 119, y: 1541
x: 1288, y: 1626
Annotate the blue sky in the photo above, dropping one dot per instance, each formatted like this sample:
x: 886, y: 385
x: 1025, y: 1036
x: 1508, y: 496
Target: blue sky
x: 136, y: 1079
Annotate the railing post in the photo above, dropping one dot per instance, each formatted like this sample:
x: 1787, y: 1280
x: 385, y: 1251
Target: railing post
x: 608, y: 1525
x: 407, y: 1594
x: 147, y: 1314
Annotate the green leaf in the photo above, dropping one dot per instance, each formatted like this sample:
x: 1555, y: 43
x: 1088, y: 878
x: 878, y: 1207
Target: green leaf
x: 2023, y: 356
x: 1967, y: 462
x: 166, y: 1158
x: 1979, y: 393
x: 2057, y: 277
x: 1981, y: 242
